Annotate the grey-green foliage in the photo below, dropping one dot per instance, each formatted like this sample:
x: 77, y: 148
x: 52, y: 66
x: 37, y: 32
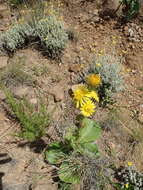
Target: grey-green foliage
x: 15, y: 74
x: 109, y: 68
x: 52, y: 35
x: 132, y: 177
x: 33, y: 122
x: 48, y: 30
x: 28, y: 30
x: 96, y: 175
x: 13, y: 38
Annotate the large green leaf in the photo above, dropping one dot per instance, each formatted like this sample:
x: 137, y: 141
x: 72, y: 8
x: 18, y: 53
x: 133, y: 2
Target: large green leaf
x: 89, y: 149
x: 54, y: 156
x: 67, y: 174
x: 90, y: 131
x: 71, y: 133
x: 54, y: 153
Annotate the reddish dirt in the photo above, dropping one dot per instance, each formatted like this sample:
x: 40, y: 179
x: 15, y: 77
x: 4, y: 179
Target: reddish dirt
x: 90, y: 37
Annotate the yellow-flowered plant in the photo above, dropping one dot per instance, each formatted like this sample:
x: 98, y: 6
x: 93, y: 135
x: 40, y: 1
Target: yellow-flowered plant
x: 129, y: 163
x: 80, y: 95
x: 93, y: 80
x: 88, y: 108
x: 84, y: 99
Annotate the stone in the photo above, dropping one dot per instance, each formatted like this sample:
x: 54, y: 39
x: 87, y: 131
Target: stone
x: 45, y: 186
x: 33, y: 101
x: 58, y: 93
x: 140, y: 118
x: 21, y: 91
x: 2, y: 95
x: 75, y: 68
x: 96, y: 19
x: 2, y: 117
x: 3, y: 61
x: 15, y: 186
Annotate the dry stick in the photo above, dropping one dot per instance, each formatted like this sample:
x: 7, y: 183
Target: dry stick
x: 127, y: 129
x: 128, y: 105
x: 5, y: 132
x: 118, y: 7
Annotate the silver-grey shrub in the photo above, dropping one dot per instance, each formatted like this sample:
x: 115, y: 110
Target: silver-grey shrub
x: 13, y: 38
x: 52, y: 35
x: 109, y: 68
x: 49, y: 31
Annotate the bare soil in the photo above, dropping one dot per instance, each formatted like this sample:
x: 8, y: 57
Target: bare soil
x: 25, y: 168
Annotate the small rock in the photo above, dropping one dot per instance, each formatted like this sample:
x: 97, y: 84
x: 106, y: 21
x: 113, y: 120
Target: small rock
x: 15, y: 187
x: 2, y: 117
x: 45, y: 187
x: 21, y: 91
x: 75, y: 68
x: 96, y: 19
x: 140, y: 118
x: 2, y: 95
x: 96, y: 12
x: 3, y: 61
x: 33, y: 101
x: 58, y: 93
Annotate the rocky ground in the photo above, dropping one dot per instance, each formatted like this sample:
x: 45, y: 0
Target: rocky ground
x: 22, y: 166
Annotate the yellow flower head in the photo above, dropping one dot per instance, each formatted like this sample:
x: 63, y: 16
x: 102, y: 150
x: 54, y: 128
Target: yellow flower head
x: 93, y: 95
x: 88, y: 108
x: 80, y: 95
x: 127, y: 185
x: 93, y: 80
x: 98, y: 64
x: 129, y: 163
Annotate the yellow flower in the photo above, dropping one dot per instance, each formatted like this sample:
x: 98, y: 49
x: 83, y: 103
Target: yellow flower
x: 93, y: 79
x: 80, y: 95
x: 98, y: 64
x: 127, y: 185
x: 129, y: 163
x: 93, y: 95
x: 88, y: 108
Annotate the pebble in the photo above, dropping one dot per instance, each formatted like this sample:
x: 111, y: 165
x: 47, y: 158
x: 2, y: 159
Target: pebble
x: 21, y: 91
x: 3, y: 61
x: 2, y: 95
x: 58, y: 93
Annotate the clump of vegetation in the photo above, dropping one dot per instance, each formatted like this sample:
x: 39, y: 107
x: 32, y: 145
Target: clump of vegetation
x: 15, y: 3
x: 85, y: 99
x: 129, y: 178
x: 104, y: 76
x: 33, y: 122
x: 13, y: 38
x: 14, y: 74
x: 70, y: 154
x: 52, y: 35
x: 96, y: 175
x: 48, y: 31
x: 130, y: 8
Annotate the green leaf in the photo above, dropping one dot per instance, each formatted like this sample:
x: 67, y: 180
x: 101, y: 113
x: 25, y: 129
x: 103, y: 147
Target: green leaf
x: 71, y: 133
x: 55, y: 145
x: 89, y: 132
x: 89, y: 149
x: 67, y: 174
x: 54, y: 156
